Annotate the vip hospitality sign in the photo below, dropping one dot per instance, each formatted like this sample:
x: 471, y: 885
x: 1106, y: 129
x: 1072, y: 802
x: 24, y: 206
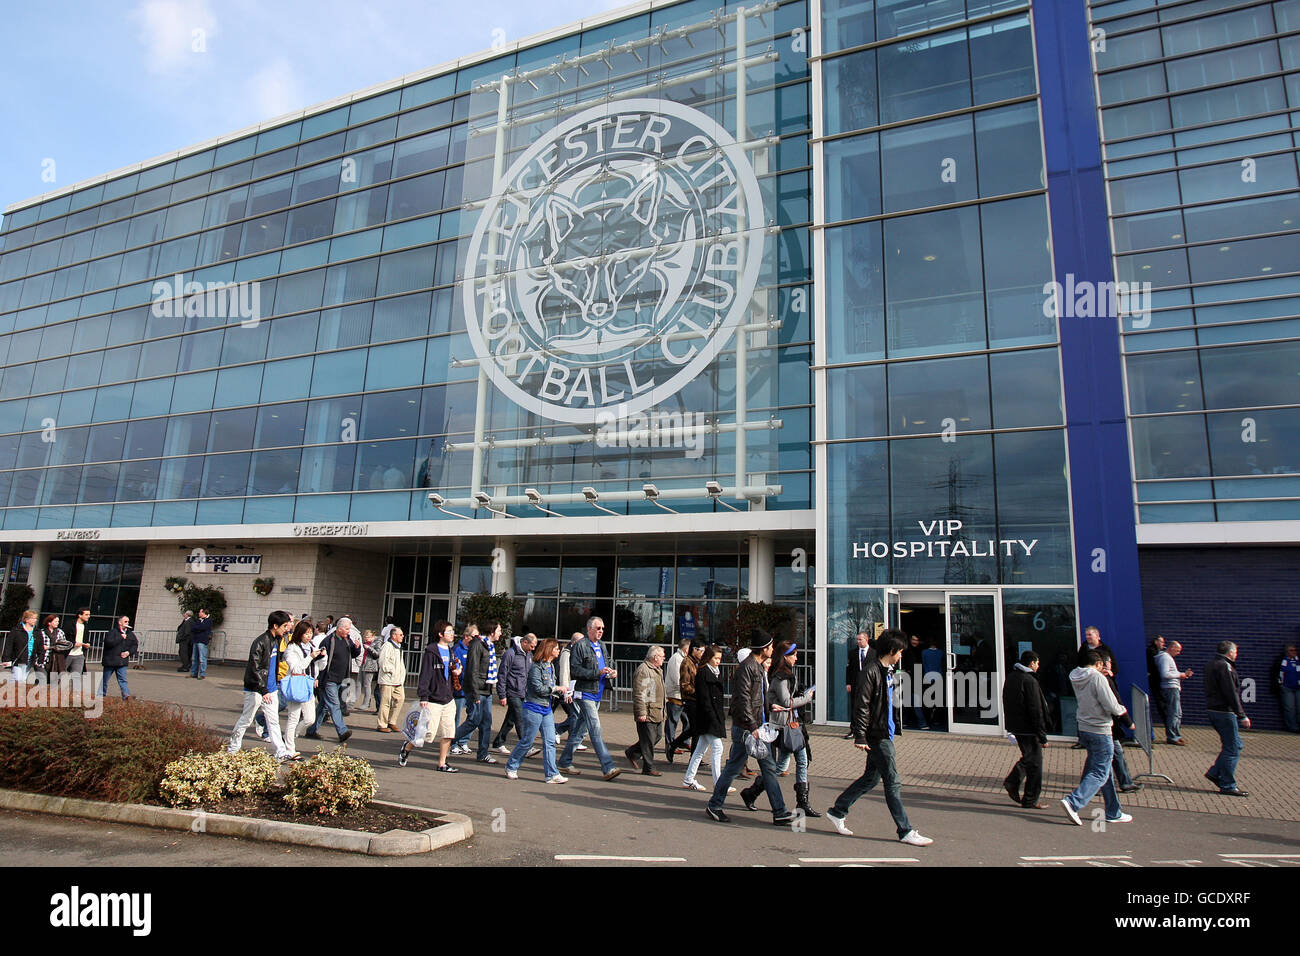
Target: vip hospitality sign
x: 200, y: 562
x: 943, y: 538
x: 613, y: 260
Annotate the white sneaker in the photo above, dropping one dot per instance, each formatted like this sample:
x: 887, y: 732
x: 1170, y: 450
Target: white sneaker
x: 459, y: 751
x: 838, y: 824
x: 580, y: 747
x: 912, y: 838
x: 557, y: 779
x: 557, y: 741
x: 1122, y: 818
x: 692, y: 785
x: 1071, y: 812
x: 503, y: 749
x: 534, y: 752
x: 511, y: 775
x: 731, y: 790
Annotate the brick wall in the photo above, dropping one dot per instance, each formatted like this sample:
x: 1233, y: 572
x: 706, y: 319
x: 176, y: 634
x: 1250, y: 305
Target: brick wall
x: 342, y: 580
x: 1200, y: 596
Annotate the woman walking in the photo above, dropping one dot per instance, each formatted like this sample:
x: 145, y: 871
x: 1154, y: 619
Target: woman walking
x: 787, y: 716
x: 301, y: 657
x: 537, y: 713
x: 711, y: 725
x: 56, y: 644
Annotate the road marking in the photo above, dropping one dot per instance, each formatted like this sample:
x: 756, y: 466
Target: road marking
x: 858, y: 859
x: 620, y: 859
x: 1119, y: 863
x: 1045, y: 863
x: 1262, y: 856
x: 1073, y: 859
x: 1177, y: 862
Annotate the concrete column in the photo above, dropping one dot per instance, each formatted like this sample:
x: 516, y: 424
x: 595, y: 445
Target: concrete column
x: 39, y: 570
x: 504, y: 554
x: 762, y: 580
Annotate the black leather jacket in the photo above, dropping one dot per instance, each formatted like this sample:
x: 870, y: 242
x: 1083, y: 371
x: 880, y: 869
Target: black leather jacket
x: 870, y: 702
x: 258, y: 670
x: 749, y: 698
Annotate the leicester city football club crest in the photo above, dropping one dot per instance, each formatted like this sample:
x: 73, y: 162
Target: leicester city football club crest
x: 613, y: 261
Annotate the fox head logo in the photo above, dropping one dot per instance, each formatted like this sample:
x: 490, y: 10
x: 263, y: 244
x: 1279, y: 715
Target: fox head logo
x: 602, y: 253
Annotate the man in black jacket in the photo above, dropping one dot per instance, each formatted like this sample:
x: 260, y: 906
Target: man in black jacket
x: 436, y: 692
x: 1223, y: 703
x: 120, y: 643
x: 1025, y: 708
x: 873, y: 731
x: 183, y: 641
x: 857, y: 654
x: 261, y: 685
x: 512, y: 683
x: 479, y: 681
x: 750, y: 708
x: 340, y: 646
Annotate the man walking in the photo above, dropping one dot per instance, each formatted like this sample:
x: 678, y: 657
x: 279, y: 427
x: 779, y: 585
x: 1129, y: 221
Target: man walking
x: 1223, y: 703
x: 1153, y: 676
x: 478, y: 679
x: 261, y: 685
x: 857, y: 656
x: 461, y: 650
x: 674, y: 698
x: 1171, y: 692
x: 588, y: 668
x: 512, y: 684
x: 1025, y: 708
x: 183, y: 631
x: 340, y: 647
x: 750, y: 708
x: 873, y: 731
x: 648, y: 695
x: 1098, y: 707
x: 80, y: 634
x: 200, y: 635
x: 120, y: 643
x: 392, y: 680
x: 440, y: 664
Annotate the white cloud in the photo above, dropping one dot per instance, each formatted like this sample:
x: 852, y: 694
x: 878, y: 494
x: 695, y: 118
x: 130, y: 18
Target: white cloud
x: 275, y: 90
x: 174, y: 32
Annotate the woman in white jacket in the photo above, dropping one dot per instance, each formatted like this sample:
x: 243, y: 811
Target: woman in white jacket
x: 302, y: 658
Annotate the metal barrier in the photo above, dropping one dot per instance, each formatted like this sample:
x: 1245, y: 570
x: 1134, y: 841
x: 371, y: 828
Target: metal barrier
x: 155, y: 646
x: 1145, y: 732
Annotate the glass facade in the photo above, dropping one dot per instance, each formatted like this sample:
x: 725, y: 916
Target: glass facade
x: 946, y: 457
x: 1200, y: 104
x: 128, y: 400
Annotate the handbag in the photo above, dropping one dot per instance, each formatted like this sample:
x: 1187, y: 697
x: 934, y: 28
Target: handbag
x: 298, y: 688
x: 791, y: 738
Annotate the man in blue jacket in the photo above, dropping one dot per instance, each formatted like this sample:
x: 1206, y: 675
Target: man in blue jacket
x: 200, y: 635
x: 261, y: 685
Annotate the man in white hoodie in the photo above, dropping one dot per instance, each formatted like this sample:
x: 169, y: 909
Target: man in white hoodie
x: 1098, y: 707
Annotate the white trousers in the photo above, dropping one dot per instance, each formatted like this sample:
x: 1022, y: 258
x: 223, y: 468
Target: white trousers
x: 270, y: 710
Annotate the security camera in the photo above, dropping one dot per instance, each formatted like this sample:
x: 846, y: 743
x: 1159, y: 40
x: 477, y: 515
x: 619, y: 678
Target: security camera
x: 651, y: 491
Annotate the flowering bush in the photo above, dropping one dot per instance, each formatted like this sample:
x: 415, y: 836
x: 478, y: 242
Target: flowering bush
x: 175, y: 585
x: 329, y: 783
x: 196, y: 779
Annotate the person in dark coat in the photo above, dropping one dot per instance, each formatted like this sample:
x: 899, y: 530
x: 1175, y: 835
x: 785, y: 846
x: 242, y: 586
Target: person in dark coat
x: 1025, y: 708
x: 22, y: 647
x: 183, y: 641
x: 120, y: 645
x: 711, y: 714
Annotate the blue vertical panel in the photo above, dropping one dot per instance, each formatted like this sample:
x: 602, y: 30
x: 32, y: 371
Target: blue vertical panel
x: 1100, y: 479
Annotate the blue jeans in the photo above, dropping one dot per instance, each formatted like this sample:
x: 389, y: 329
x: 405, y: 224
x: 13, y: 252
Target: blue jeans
x: 1224, y: 770
x: 735, y: 760
x: 1289, y: 720
x: 1173, y: 712
x: 1119, y: 764
x: 1097, y: 775
x: 460, y: 712
x: 881, y: 767
x: 800, y: 763
x: 120, y: 674
x: 477, y: 714
x: 199, y: 663
x: 587, y: 717
x: 674, y: 714
x: 330, y: 695
x: 527, y: 733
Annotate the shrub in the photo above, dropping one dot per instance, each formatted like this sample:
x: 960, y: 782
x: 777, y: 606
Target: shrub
x: 213, y: 598
x: 483, y: 606
x: 329, y: 783
x: 196, y: 779
x: 16, y: 599
x: 119, y: 756
x: 773, y: 618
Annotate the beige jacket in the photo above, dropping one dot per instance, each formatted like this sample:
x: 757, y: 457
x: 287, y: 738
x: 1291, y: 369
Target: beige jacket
x: 648, y: 693
x: 392, y: 667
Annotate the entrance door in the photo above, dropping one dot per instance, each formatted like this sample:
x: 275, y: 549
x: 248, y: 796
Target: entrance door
x: 893, y: 604
x: 974, y: 673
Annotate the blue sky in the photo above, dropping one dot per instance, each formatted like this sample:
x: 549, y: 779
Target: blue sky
x: 95, y: 86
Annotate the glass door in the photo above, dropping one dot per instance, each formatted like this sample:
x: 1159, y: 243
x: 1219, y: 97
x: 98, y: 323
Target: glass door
x: 974, y: 673
x: 893, y: 605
